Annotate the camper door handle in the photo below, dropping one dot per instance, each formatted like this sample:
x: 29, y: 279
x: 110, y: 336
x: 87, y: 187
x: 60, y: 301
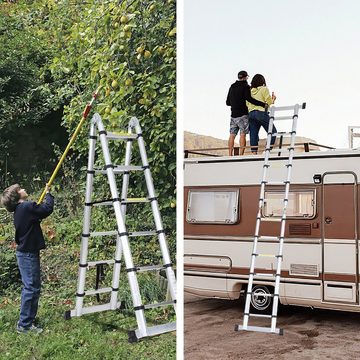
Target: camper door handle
x: 328, y: 220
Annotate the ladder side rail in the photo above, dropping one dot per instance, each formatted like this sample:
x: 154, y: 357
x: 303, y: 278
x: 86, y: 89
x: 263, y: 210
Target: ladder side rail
x: 156, y: 212
x: 131, y: 271
x: 126, y: 176
x: 114, y: 303
x: 283, y: 222
x: 86, y: 225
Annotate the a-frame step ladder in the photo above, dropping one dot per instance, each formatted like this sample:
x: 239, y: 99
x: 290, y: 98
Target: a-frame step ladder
x: 119, y: 203
x: 253, y: 274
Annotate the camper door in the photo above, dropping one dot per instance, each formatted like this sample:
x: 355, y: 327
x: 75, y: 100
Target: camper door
x: 339, y: 237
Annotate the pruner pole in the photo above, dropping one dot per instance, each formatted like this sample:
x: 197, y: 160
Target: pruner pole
x: 73, y: 137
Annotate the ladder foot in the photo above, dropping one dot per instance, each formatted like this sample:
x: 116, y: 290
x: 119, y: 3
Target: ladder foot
x: 281, y: 331
x: 67, y: 315
x: 132, y: 337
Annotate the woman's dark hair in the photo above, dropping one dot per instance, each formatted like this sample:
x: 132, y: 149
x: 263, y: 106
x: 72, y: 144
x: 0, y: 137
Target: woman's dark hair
x: 258, y: 80
x: 11, y: 197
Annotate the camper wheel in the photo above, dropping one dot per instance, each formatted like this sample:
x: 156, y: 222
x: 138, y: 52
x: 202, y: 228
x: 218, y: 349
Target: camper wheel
x: 259, y: 302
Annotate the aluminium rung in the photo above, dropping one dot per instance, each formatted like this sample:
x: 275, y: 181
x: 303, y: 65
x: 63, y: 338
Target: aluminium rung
x: 267, y: 255
x: 103, y: 233
x: 160, y: 304
x: 264, y: 275
x: 283, y: 117
x: 282, y: 133
x: 259, y: 329
x: 120, y: 136
x: 268, y: 238
x: 142, y: 233
x: 134, y: 200
x: 104, y: 203
x: 265, y: 295
x: 271, y: 219
x: 120, y: 169
x: 149, y: 268
x: 98, y: 291
x: 270, y: 183
x: 94, y: 263
x: 267, y: 316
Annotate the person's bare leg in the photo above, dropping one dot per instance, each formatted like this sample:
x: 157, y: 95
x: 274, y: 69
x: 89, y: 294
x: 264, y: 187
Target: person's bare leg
x: 242, y: 143
x: 231, y: 144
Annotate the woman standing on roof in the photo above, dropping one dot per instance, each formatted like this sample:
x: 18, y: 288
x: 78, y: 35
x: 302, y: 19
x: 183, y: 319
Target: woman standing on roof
x: 258, y: 116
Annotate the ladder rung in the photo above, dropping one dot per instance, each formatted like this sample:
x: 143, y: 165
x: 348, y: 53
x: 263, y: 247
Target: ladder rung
x: 283, y: 117
x: 104, y: 203
x: 283, y: 133
x: 267, y: 255
x: 134, y: 200
x: 120, y: 136
x: 269, y: 183
x: 268, y: 238
x: 259, y: 329
x: 103, y: 233
x: 98, y: 291
x: 149, y: 268
x: 271, y: 219
x: 265, y: 274
x: 94, y: 263
x: 260, y: 315
x: 120, y: 169
x: 265, y: 295
x: 160, y: 304
x: 142, y: 233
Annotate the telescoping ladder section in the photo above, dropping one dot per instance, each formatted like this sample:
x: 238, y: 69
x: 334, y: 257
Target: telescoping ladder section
x: 119, y: 204
x: 253, y: 275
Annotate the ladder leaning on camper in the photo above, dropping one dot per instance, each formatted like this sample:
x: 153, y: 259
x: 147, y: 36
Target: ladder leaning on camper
x: 279, y: 239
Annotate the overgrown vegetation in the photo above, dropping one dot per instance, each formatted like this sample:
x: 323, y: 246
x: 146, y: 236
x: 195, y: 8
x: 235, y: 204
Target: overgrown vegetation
x: 55, y: 54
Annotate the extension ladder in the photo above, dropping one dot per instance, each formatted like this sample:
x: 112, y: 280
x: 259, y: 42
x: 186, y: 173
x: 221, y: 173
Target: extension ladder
x: 119, y: 204
x: 253, y: 275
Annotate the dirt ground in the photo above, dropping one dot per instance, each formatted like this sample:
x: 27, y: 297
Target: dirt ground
x: 308, y: 334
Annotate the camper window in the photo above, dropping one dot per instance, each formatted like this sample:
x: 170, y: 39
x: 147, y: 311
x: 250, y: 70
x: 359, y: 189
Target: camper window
x: 213, y: 206
x: 301, y: 204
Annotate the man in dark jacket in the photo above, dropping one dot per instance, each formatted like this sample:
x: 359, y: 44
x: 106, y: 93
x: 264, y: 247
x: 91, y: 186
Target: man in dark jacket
x: 238, y: 93
x: 30, y: 240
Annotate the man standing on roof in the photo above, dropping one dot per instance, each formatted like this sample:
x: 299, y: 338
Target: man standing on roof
x: 238, y: 94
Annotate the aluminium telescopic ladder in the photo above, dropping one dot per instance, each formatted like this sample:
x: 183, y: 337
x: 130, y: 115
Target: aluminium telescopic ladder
x: 253, y: 275
x: 97, y: 130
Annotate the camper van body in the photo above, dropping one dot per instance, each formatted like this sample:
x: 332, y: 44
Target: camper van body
x: 321, y: 250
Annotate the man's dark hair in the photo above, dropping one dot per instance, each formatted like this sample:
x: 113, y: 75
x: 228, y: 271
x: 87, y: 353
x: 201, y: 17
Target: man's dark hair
x: 258, y: 80
x: 11, y: 197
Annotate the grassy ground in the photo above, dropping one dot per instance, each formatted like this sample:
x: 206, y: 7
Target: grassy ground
x: 95, y: 336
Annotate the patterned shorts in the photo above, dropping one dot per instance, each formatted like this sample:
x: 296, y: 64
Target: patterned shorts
x: 239, y: 123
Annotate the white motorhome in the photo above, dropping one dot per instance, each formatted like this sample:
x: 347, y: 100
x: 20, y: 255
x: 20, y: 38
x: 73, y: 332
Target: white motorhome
x: 321, y: 250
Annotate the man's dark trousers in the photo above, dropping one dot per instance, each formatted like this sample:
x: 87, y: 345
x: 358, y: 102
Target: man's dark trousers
x: 29, y: 266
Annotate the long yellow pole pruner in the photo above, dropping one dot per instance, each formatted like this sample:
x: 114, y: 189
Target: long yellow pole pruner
x: 73, y: 137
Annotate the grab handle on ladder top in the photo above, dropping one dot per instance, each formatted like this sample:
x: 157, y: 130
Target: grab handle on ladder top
x: 73, y: 137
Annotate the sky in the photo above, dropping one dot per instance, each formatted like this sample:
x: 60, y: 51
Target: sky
x: 308, y: 51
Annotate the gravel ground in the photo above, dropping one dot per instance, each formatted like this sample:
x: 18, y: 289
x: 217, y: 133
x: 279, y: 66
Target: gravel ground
x: 308, y: 334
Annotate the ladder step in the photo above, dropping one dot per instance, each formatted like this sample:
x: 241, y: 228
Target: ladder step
x: 269, y: 238
x: 103, y: 233
x: 283, y: 133
x: 160, y: 304
x: 264, y: 275
x: 104, y: 203
x: 135, y: 200
x: 98, y: 291
x: 271, y: 219
x: 142, y: 233
x: 149, y: 268
x: 267, y: 316
x: 267, y: 255
x: 120, y: 136
x: 270, y: 183
x: 94, y: 263
x: 259, y: 329
x: 265, y: 295
x: 289, y: 117
x: 120, y: 169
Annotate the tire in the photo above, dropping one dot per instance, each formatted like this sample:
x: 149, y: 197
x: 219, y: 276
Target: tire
x: 261, y: 304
